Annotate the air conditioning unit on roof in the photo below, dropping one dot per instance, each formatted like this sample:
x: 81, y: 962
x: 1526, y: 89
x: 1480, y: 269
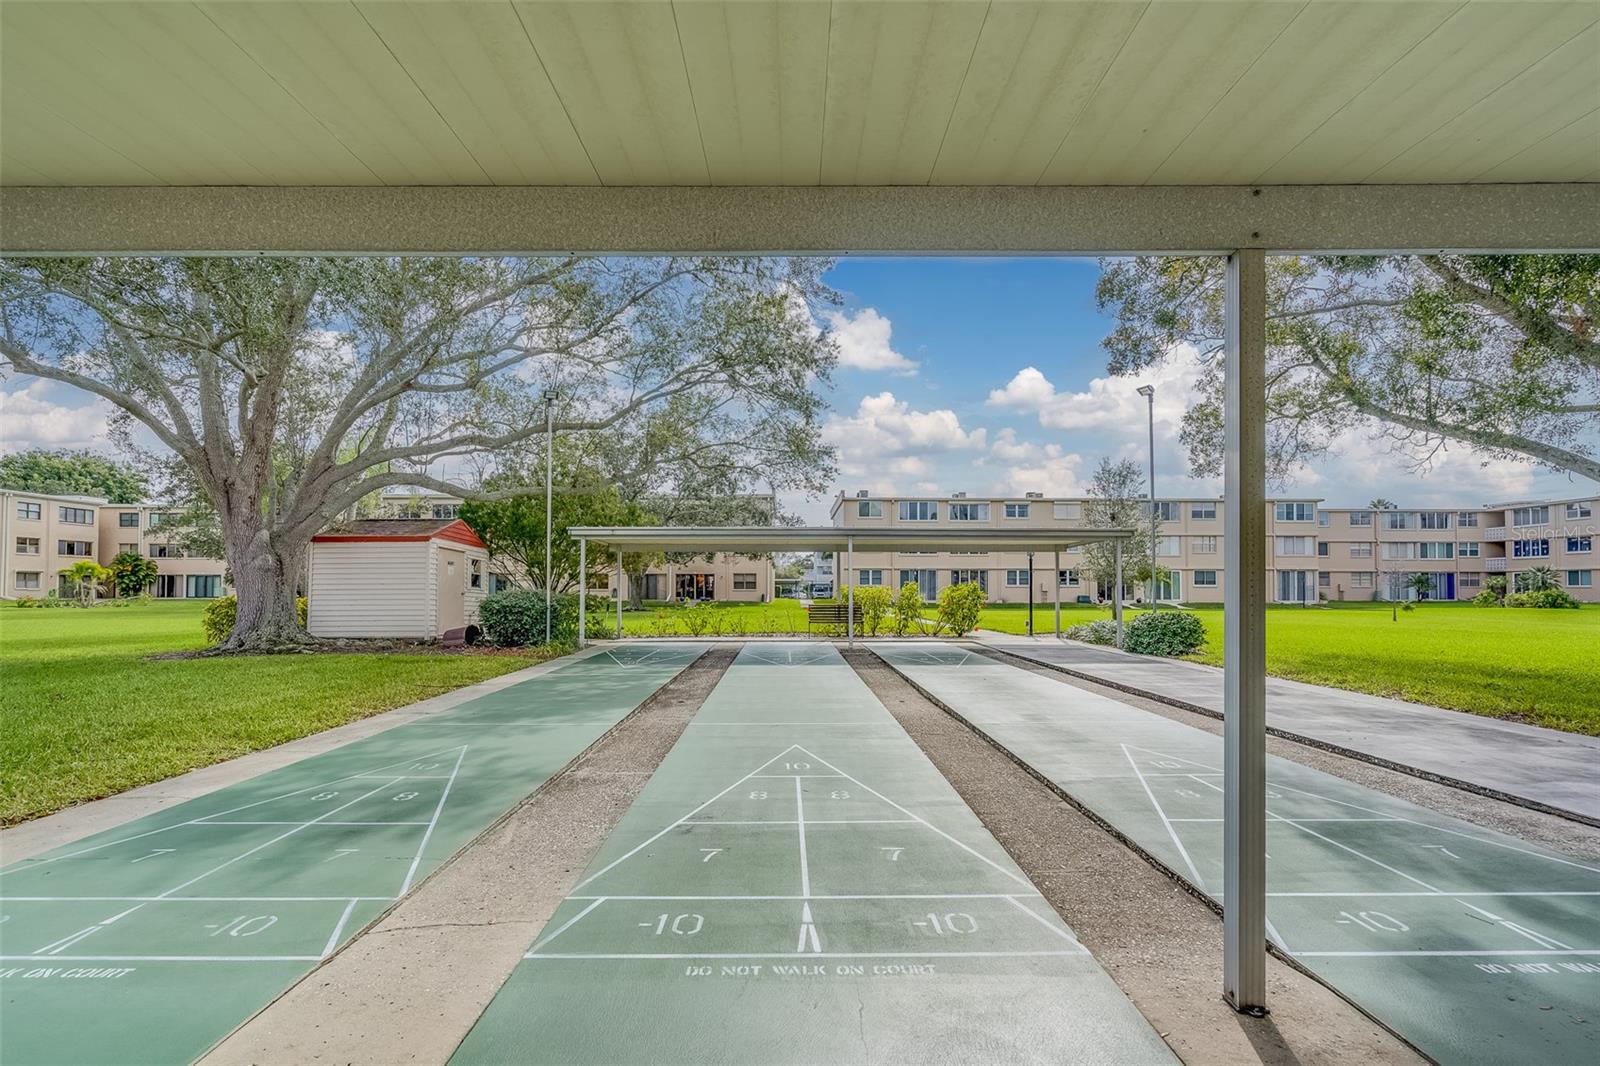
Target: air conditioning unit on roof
x: 862, y: 494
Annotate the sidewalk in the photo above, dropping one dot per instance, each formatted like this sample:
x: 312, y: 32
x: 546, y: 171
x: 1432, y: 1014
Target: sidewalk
x: 1530, y: 765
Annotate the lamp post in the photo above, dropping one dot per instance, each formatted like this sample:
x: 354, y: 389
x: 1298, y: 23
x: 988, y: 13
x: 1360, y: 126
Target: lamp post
x: 549, y: 466
x: 1149, y: 393
x: 1030, y: 594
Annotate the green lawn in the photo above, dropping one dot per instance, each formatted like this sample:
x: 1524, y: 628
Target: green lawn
x: 1538, y: 666
x: 85, y: 714
x: 781, y: 616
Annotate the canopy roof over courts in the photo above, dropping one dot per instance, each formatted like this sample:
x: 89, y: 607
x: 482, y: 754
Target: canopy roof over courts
x: 762, y: 539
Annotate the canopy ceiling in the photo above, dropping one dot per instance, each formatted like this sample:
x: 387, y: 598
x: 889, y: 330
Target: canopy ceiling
x: 759, y: 540
x: 797, y: 92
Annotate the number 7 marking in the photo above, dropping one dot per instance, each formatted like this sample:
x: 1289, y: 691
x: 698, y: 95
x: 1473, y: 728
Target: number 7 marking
x: 710, y: 852
x: 893, y: 853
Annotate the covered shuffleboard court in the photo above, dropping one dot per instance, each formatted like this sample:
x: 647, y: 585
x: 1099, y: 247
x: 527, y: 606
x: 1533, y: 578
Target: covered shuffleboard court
x: 1475, y: 946
x: 797, y: 883
x: 150, y: 942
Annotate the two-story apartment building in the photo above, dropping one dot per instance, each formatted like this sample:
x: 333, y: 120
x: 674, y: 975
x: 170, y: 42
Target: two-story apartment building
x: 1313, y: 552
x: 731, y: 578
x: 42, y: 534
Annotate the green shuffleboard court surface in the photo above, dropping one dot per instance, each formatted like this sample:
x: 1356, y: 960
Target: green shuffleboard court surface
x: 1475, y: 946
x: 797, y: 883
x: 150, y: 942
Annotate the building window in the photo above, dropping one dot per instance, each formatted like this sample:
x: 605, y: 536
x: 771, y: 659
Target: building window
x: 203, y: 586
x: 969, y: 512
x: 1530, y: 549
x: 78, y: 516
x: 128, y: 519
x: 1168, y: 510
x: 1295, y: 545
x: 1203, y: 545
x: 445, y: 510
x: 1580, y: 579
x: 1067, y: 578
x: 1204, y: 512
x: 1361, y: 518
x: 744, y: 582
x: 1295, y: 512
x: 1580, y: 544
x: 1400, y: 550
x: 165, y: 551
x: 1016, y: 510
x: 1017, y: 579
x: 127, y: 549
x: 1323, y: 578
x: 27, y: 545
x: 869, y: 508
x: 475, y: 574
x: 970, y: 577
x: 1170, y: 587
x: 1205, y: 579
x: 1322, y: 548
x: 869, y: 577
x: 1397, y: 520
x: 29, y: 509
x: 1530, y: 516
x: 158, y: 519
x: 1433, y: 520
x: 1579, y: 509
x: 1168, y: 546
x: 1361, y: 581
x: 1467, y: 519
x: 1469, y: 581
x: 1469, y: 549
x: 919, y: 511
x: 74, y: 547
x: 1360, y: 551
x: 1444, y: 550
x: 1323, y: 518
x: 27, y: 579
x: 1070, y: 511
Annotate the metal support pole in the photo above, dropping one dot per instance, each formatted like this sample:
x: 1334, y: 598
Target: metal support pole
x: 1116, y: 596
x: 1030, y: 594
x: 583, y: 588
x: 1058, y: 593
x: 1244, y: 618
x: 850, y: 591
x: 621, y: 577
x: 549, y: 492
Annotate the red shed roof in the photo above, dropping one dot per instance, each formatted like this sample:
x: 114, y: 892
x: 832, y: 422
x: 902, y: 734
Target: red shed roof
x: 400, y: 529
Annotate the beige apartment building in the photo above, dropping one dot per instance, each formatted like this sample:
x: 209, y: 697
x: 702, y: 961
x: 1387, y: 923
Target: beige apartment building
x: 723, y: 577
x: 43, y: 534
x: 1313, y: 553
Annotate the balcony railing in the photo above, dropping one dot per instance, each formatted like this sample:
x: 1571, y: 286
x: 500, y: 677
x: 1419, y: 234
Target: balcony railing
x: 1495, y: 564
x: 1494, y: 533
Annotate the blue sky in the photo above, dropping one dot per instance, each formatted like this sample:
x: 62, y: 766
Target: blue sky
x: 977, y: 375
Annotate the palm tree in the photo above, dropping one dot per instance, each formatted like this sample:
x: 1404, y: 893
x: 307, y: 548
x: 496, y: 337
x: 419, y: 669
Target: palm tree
x: 1537, y: 579
x: 1421, y: 584
x: 86, y: 577
x: 1381, y: 504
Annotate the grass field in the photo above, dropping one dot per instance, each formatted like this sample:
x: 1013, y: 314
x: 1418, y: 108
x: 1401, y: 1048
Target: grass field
x: 1538, y: 666
x: 86, y: 714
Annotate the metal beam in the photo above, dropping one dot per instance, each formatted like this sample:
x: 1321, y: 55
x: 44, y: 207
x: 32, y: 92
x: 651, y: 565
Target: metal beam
x: 1043, y: 220
x: 621, y: 577
x: 1244, y: 643
x: 583, y: 588
x: 850, y: 594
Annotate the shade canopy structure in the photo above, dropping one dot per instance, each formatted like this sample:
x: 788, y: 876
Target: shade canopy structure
x: 1229, y: 127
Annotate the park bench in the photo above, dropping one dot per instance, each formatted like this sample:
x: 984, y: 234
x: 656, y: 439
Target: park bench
x: 829, y: 614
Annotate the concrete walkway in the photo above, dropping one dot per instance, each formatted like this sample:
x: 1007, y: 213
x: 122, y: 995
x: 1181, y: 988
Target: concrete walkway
x: 1544, y: 768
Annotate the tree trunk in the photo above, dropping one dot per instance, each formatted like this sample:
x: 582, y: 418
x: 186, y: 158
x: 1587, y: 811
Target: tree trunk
x: 635, y: 588
x: 264, y: 577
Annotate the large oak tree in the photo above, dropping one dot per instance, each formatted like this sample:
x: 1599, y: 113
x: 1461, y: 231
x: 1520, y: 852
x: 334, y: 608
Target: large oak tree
x: 290, y: 388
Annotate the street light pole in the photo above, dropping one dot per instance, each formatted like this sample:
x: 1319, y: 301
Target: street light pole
x: 549, y: 466
x: 1030, y: 594
x: 1149, y: 393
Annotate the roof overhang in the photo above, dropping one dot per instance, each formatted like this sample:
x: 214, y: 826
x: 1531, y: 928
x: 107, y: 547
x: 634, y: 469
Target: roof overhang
x: 761, y: 540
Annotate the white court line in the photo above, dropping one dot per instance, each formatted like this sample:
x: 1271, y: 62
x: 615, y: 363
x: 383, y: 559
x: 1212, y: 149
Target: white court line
x: 428, y: 833
x: 657, y: 836
x: 797, y: 899
x: 67, y: 941
x: 160, y: 958
x: 568, y: 924
x: 1439, y: 894
x: 1199, y: 882
x: 765, y: 776
x: 829, y: 955
x: 800, y: 821
x: 829, y: 725
x: 319, y: 823
x: 28, y: 864
x: 190, y: 899
x: 333, y: 938
x: 1433, y: 954
x: 809, y: 821
x: 1057, y: 930
x: 964, y: 847
x: 1297, y: 819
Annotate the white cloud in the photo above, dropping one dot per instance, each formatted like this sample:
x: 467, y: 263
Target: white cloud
x: 33, y: 418
x: 1025, y: 466
x: 883, y: 425
x: 1109, y: 402
x: 864, y: 341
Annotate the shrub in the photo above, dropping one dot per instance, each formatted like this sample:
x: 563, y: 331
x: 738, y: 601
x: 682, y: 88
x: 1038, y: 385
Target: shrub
x: 1542, y: 598
x: 1165, y: 633
x: 875, y: 603
x: 960, y: 605
x: 1486, y: 598
x: 217, y: 621
x: 516, y: 617
x: 1101, y: 631
x: 907, y: 609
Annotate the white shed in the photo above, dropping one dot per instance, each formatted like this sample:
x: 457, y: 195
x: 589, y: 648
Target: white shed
x: 420, y: 578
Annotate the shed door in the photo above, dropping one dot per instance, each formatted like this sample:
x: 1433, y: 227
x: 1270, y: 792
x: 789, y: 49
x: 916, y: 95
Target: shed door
x: 452, y: 589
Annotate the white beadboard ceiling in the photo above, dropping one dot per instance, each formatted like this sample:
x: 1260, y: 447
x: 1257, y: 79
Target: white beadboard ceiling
x: 798, y: 92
